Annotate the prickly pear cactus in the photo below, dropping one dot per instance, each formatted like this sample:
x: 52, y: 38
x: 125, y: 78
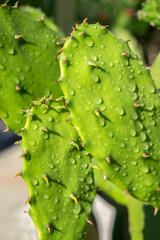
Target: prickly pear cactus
x: 28, y: 69
x: 150, y: 12
x: 38, y: 14
x: 115, y: 108
x: 155, y: 71
x: 58, y: 173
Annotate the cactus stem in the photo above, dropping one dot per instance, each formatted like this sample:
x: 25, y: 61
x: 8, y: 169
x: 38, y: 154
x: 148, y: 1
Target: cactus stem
x: 48, y: 228
x: 19, y: 174
x: 145, y: 155
x: 84, y: 21
x: 97, y: 113
x: 127, y: 193
x: 108, y: 160
x: 6, y: 130
x: 95, y: 167
x: 23, y: 154
x: 155, y: 211
x: 17, y: 36
x: 28, y: 200
x: 74, y: 198
x: 45, y: 178
x: 89, y: 221
x: 75, y: 144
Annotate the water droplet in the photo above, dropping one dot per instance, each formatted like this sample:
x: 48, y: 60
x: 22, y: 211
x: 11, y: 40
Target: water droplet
x: 54, y: 217
x: 102, y: 46
x: 89, y: 41
x: 34, y: 181
x: 111, y: 64
x: 132, y: 132
x: 145, y: 146
x: 51, y: 165
x: 72, y: 161
x: 89, y: 180
x: 132, y: 87
x: 134, y: 116
x: 116, y: 169
x: 98, y: 100
x: 110, y: 134
x: 71, y: 91
x: 35, y: 126
x: 32, y: 142
x: 152, y: 123
x: 136, y: 150
x: 74, y: 44
x: 145, y: 169
x: 148, y: 182
x: 122, y: 145
x: 77, y: 209
x: 134, y: 163
x: 140, y: 62
x: 124, y: 174
x: 143, y: 136
x: 55, y: 200
x: 150, y: 107
x: 120, y: 111
x: 4, y: 114
x: 101, y: 122
x: 10, y: 50
x: 81, y: 179
x: 84, y: 165
x: 102, y: 108
x: 95, y: 78
x: 49, y: 118
x: 118, y: 89
x: 46, y: 196
x: 1, y: 67
x: 94, y: 58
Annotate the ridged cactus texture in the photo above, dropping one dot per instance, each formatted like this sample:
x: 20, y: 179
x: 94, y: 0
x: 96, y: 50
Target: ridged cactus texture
x: 28, y: 69
x: 115, y: 108
x: 150, y: 12
x: 58, y: 173
x: 155, y: 71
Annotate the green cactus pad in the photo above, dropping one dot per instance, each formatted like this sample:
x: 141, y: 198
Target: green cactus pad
x: 155, y: 71
x: 38, y: 14
x: 28, y: 69
x: 150, y: 12
x: 115, y: 108
x: 58, y: 176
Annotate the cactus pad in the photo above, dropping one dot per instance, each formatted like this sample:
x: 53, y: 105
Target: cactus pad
x: 28, y: 68
x: 115, y: 108
x: 58, y: 173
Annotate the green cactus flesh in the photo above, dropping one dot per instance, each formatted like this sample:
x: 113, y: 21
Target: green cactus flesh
x: 58, y: 176
x: 150, y: 12
x: 28, y: 69
x: 38, y: 14
x: 115, y: 108
x: 155, y: 71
